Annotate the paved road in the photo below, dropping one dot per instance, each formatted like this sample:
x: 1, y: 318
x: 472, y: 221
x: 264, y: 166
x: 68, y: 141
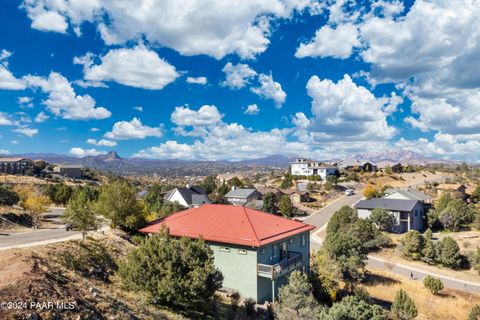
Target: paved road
x: 322, y: 216
x: 39, y: 236
x: 419, y: 274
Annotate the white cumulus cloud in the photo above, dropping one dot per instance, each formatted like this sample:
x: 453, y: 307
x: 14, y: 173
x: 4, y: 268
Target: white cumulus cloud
x: 134, y: 129
x: 234, y: 27
x: 206, y: 115
x: 270, y: 89
x: 102, y: 142
x: 62, y: 100
x: 197, y: 80
x: 80, y: 152
x: 252, y: 109
x: 237, y: 76
x: 7, y: 80
x: 29, y: 132
x: 136, y: 67
x: 331, y: 42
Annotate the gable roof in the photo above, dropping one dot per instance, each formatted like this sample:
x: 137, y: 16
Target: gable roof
x: 192, y: 195
x: 240, y: 193
x: 411, y: 194
x: 389, y: 204
x: 229, y: 224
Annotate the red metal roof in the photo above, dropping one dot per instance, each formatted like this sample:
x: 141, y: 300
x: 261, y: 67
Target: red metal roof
x: 229, y: 224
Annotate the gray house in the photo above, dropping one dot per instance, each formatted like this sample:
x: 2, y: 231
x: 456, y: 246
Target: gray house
x: 407, y: 194
x: 69, y: 171
x: 240, y: 197
x: 408, y: 213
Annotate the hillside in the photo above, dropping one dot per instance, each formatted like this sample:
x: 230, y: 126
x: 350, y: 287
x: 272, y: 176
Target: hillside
x: 398, y: 156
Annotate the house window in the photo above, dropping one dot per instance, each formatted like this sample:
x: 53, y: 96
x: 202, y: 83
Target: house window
x: 291, y: 240
x: 242, y: 251
x: 304, y: 240
x: 224, y: 249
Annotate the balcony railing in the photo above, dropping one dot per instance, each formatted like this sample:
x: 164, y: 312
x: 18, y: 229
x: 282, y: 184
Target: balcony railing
x: 283, y: 267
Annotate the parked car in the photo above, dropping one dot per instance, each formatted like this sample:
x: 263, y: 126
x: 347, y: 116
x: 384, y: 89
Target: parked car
x: 349, y: 192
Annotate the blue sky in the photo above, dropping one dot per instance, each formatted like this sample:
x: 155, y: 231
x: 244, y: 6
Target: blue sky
x: 218, y: 79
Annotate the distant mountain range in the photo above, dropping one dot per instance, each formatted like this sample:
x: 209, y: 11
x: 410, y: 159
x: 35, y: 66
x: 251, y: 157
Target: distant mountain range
x: 114, y: 163
x: 398, y: 156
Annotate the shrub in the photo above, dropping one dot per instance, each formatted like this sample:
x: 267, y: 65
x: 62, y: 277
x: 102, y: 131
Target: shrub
x: 474, y: 313
x: 403, y: 307
x: 428, y: 234
x: 370, y: 192
x: 433, y: 284
x: 352, y: 307
x: 249, y: 305
x: 171, y: 270
x: 8, y: 197
x: 449, y: 253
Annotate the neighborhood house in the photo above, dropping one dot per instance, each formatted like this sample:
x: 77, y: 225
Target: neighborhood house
x: 188, y: 196
x: 69, y: 171
x: 240, y: 197
x: 255, y: 251
x: 408, y: 213
x: 307, y: 167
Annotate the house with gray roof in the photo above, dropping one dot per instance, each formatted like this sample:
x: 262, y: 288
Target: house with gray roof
x: 408, y: 213
x: 240, y: 197
x: 188, y: 196
x: 407, y: 194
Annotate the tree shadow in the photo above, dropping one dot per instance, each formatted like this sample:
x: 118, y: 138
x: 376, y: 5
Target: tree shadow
x: 374, y: 279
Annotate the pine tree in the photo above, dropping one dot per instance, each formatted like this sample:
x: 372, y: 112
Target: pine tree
x: 433, y: 284
x: 449, y: 253
x: 270, y: 203
x: 170, y: 270
x: 295, y: 300
x: 286, y: 207
x: 403, y: 307
x: 429, y: 252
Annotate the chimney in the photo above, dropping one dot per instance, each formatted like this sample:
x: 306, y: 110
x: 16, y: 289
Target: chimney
x: 187, y: 186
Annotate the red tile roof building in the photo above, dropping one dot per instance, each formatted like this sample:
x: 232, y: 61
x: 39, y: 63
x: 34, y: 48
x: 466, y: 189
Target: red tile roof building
x: 255, y: 251
x: 229, y: 224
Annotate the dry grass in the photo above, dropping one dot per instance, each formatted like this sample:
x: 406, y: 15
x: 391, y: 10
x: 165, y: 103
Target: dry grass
x: 400, y: 180
x: 448, y: 305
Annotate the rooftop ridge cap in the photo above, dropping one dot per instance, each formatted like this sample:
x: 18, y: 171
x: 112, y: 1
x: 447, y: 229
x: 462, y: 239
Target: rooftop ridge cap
x: 257, y: 240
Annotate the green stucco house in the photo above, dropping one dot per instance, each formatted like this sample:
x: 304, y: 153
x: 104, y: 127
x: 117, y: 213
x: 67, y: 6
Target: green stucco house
x: 255, y: 251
